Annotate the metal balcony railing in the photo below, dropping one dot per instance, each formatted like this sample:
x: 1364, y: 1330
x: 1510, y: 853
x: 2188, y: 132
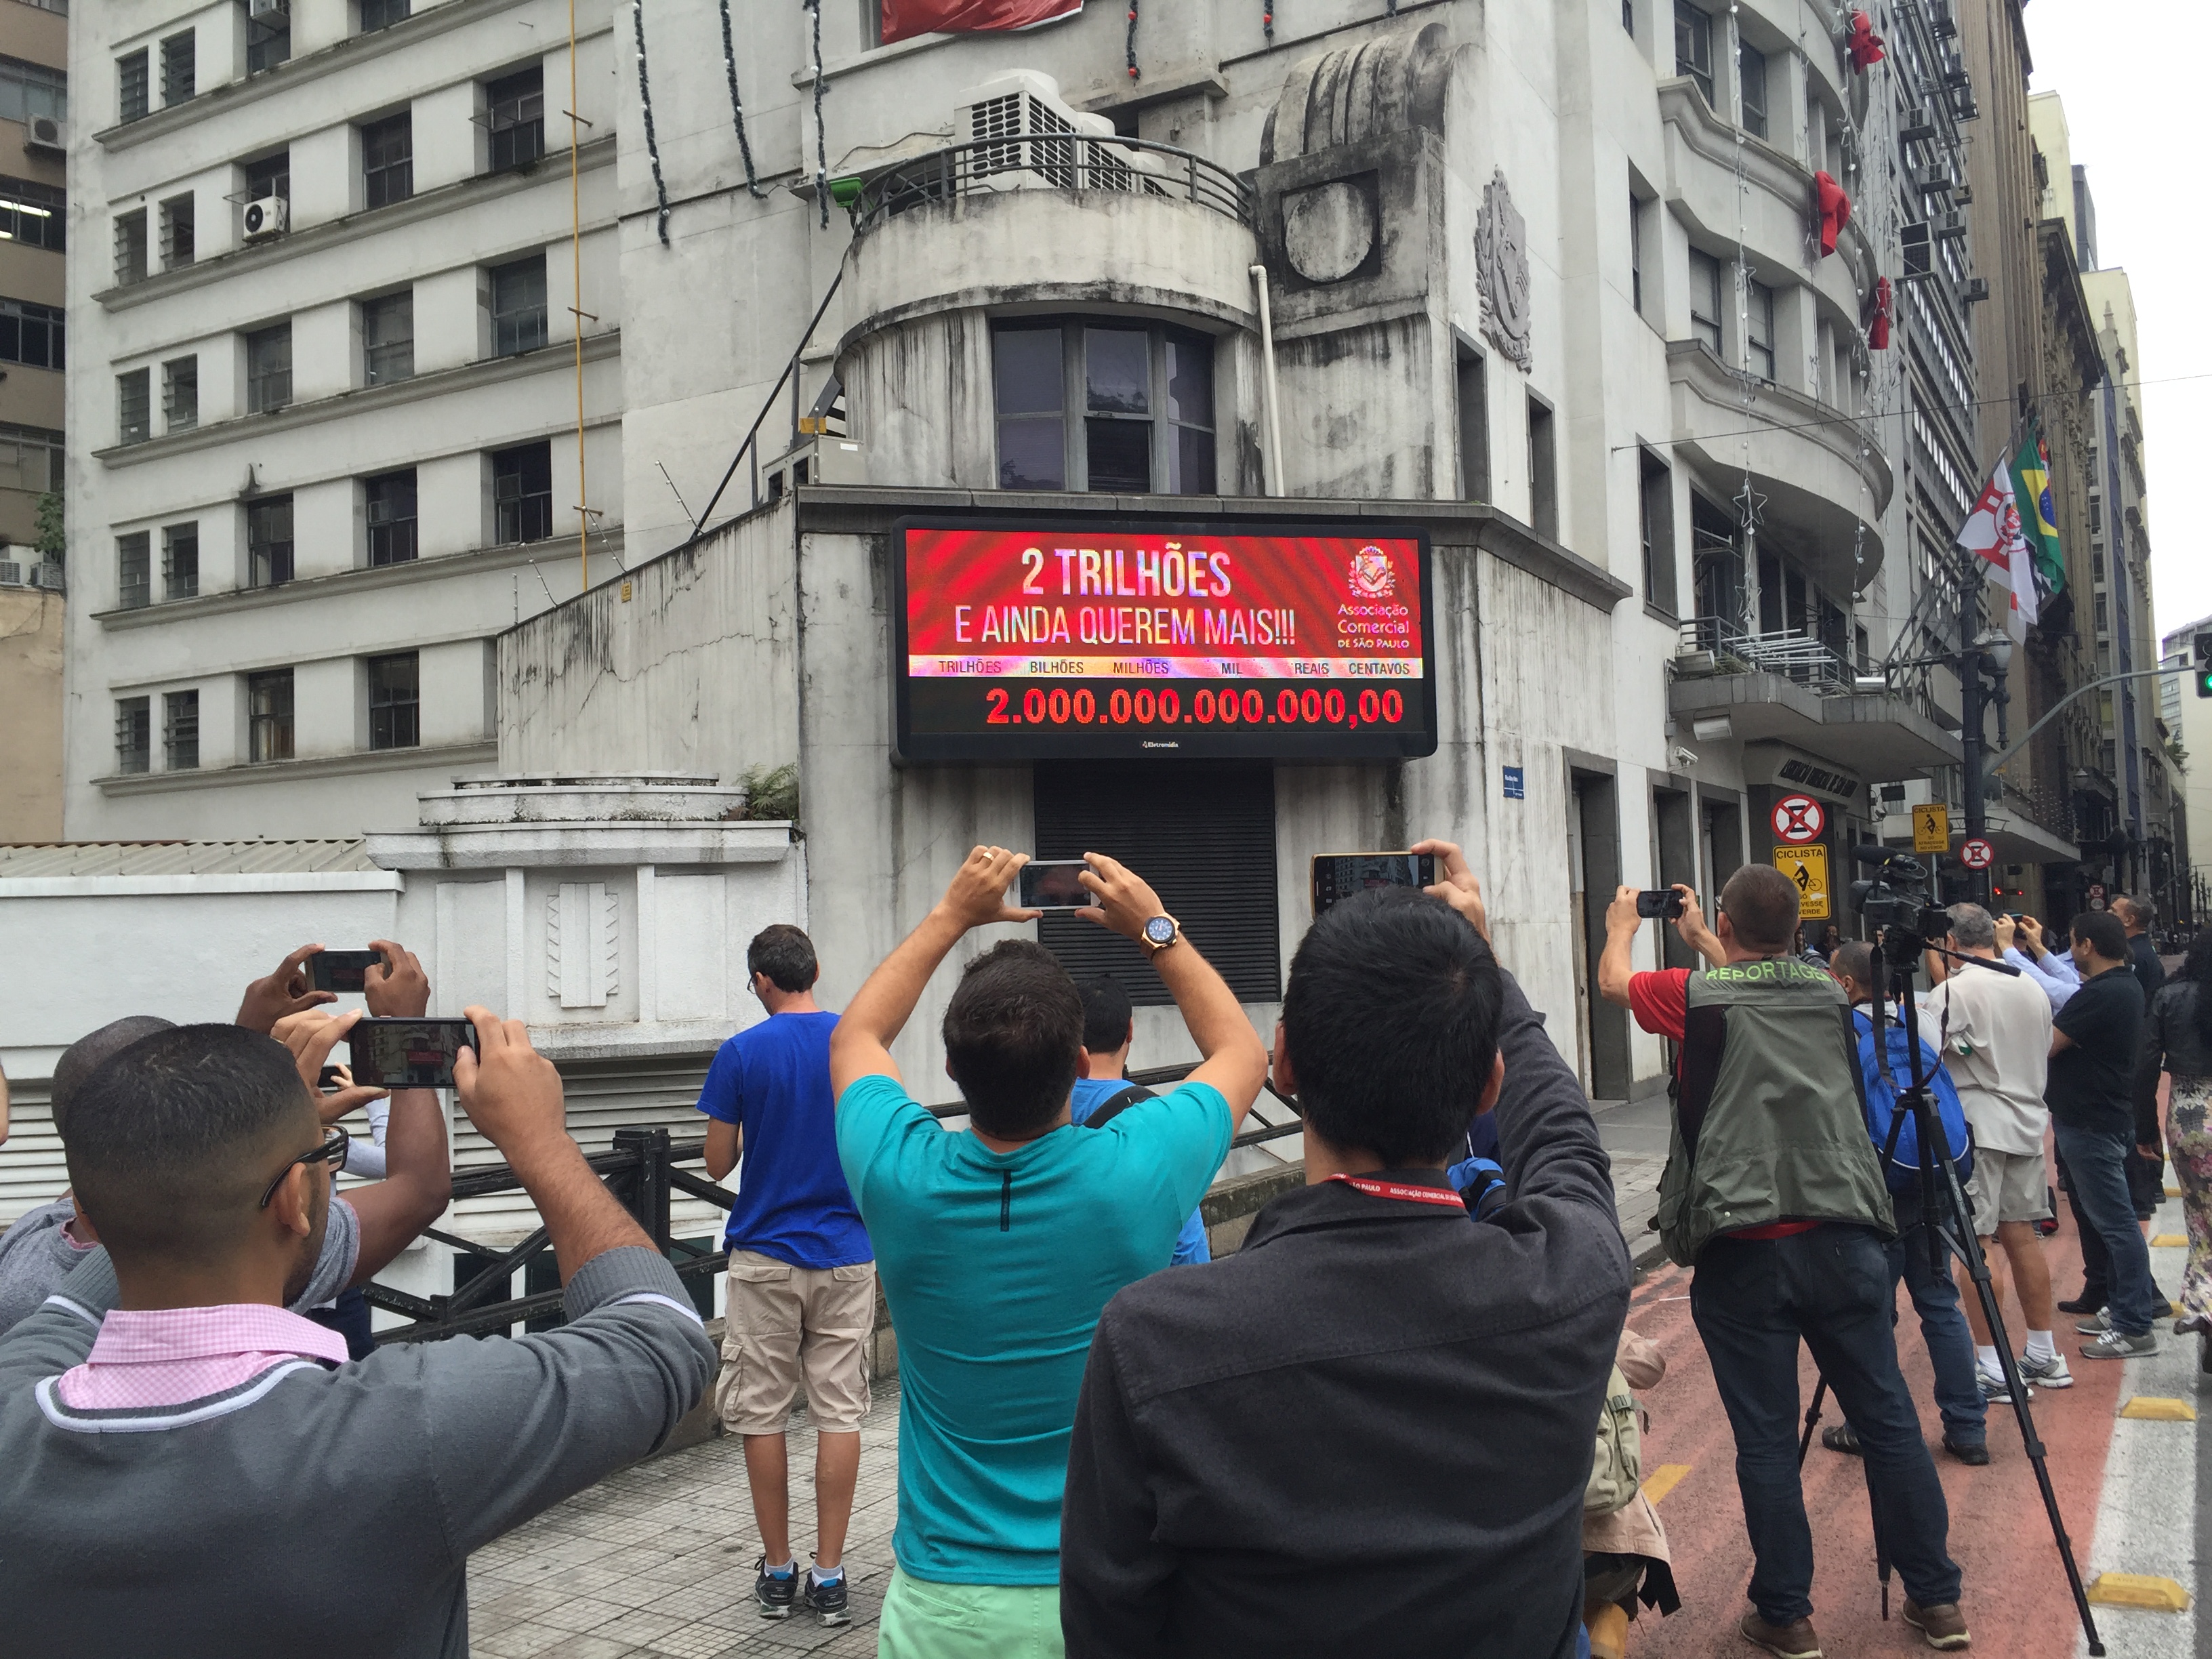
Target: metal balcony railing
x: 1054, y: 160
x: 1714, y: 645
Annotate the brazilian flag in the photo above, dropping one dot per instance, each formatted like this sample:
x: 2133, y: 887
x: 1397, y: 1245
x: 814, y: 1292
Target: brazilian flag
x: 2038, y: 520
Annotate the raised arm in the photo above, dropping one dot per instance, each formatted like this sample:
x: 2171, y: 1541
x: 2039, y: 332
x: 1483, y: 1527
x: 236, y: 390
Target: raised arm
x: 418, y: 1181
x: 1616, y: 964
x: 862, y: 1045
x: 287, y: 990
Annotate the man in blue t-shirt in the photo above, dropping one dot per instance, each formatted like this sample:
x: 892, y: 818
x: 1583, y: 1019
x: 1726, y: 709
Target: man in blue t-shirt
x: 1001, y: 1243
x: 802, y: 1277
x: 1109, y: 1028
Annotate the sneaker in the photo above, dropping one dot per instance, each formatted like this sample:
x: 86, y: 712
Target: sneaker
x: 2162, y: 1309
x: 1994, y: 1387
x: 1842, y: 1438
x: 1972, y: 1453
x: 2049, y: 1373
x: 1795, y: 1640
x: 2117, y: 1345
x: 2083, y: 1304
x: 827, y: 1597
x: 1943, y: 1627
x: 773, y: 1592
x: 2097, y: 1325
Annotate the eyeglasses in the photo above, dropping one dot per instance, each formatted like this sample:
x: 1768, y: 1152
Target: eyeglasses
x: 332, y: 1151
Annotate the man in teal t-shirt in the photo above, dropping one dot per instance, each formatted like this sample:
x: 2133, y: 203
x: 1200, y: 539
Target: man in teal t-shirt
x: 999, y: 1245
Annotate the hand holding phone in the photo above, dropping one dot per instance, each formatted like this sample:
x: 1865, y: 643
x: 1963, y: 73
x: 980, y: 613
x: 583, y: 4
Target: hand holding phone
x: 1659, y: 904
x: 1055, y: 885
x: 409, y: 1054
x: 1338, y: 876
x: 343, y: 970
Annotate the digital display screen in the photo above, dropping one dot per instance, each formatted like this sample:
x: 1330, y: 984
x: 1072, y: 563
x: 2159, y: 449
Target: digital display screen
x: 1074, y: 640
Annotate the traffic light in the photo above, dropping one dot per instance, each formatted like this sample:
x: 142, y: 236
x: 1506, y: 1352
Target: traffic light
x: 2202, y: 642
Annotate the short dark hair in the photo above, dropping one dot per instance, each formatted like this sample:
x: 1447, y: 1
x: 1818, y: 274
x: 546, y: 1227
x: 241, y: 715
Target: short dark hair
x: 172, y: 1139
x: 2101, y: 930
x: 2135, y: 912
x: 1106, y: 1014
x: 1391, y: 1018
x: 786, y: 954
x: 1013, y: 1031
x: 1761, y: 903
x: 83, y: 1057
x: 1853, y: 958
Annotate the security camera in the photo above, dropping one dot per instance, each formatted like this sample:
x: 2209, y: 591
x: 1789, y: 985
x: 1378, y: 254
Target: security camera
x: 1684, y: 757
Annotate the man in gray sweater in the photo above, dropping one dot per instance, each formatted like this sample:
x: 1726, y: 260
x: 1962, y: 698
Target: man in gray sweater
x: 184, y: 1462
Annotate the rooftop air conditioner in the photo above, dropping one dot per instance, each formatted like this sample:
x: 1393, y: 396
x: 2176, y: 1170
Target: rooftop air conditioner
x: 47, y: 132
x: 267, y: 216
x: 1029, y: 138
x: 11, y: 573
x: 47, y: 575
x: 821, y: 460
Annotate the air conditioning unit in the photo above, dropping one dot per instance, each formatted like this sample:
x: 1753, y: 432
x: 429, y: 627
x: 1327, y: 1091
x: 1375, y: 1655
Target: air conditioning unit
x: 1033, y: 139
x: 47, y: 132
x: 1932, y: 181
x: 1918, y: 126
x: 11, y: 573
x: 48, y: 576
x: 1949, y: 226
x: 1917, y: 251
x: 824, y: 460
x: 267, y: 216
x: 1977, y: 290
x: 270, y: 9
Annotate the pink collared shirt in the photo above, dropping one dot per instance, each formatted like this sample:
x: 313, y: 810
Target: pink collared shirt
x: 167, y: 1356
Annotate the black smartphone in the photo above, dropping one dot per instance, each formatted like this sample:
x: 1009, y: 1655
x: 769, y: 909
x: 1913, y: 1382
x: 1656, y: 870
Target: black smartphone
x: 328, y: 1078
x: 408, y: 1054
x: 1338, y: 876
x: 1659, y: 904
x: 343, y: 970
x: 1051, y: 884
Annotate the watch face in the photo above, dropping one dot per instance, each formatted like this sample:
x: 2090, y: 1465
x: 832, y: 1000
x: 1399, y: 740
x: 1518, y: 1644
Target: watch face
x: 1159, y: 929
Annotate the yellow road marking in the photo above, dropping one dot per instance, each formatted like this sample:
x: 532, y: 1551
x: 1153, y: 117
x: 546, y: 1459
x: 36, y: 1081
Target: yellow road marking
x: 1663, y: 1479
x: 2153, y: 1408
x: 2170, y: 1242
x: 2139, y: 1590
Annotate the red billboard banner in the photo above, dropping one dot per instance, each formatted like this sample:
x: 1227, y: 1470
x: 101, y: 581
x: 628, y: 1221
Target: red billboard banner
x: 903, y: 18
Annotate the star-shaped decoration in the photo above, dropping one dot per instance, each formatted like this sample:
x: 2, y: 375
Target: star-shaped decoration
x: 1750, y: 506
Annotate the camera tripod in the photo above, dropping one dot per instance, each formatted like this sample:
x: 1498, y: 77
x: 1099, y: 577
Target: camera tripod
x: 1948, y: 1222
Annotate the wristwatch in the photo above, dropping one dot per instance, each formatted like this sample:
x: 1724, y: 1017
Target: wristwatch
x: 1160, y: 933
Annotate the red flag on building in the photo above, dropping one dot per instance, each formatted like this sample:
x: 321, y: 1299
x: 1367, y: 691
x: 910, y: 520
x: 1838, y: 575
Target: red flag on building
x: 904, y: 18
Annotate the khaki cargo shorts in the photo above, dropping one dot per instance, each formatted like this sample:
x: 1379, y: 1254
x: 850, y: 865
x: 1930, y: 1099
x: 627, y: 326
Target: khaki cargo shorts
x: 787, y: 1324
x: 2007, y: 1186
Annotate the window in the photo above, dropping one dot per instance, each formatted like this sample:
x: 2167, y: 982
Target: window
x: 131, y: 86
x: 391, y: 509
x: 267, y: 40
x: 267, y: 368
x: 1658, y: 534
x: 268, y: 716
x: 382, y: 14
x: 131, y: 592
x: 514, y: 116
x: 1191, y: 843
x: 1628, y: 17
x: 34, y: 215
x: 1543, y: 473
x: 1693, y: 46
x: 395, y: 702
x: 1636, y: 253
x: 180, y: 730
x: 31, y: 335
x: 177, y: 239
x: 134, y: 406
x: 178, y: 72
x: 387, y: 338
x: 518, y: 307
x: 134, y: 735
x: 1758, y: 345
x: 2102, y: 625
x: 388, y: 161
x: 522, y: 492
x: 269, y: 176
x: 1473, y: 391
x: 30, y: 459
x: 181, y: 394
x: 1751, y: 87
x: 268, y: 541
x: 2096, y: 506
x: 29, y: 90
x: 1085, y: 405
x: 181, y: 561
x: 1705, y: 300
x: 130, y: 247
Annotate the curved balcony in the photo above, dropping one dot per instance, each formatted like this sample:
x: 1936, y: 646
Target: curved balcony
x: 1057, y: 218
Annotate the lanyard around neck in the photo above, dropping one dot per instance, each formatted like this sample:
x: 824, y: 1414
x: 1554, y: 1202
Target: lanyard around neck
x: 1404, y: 1194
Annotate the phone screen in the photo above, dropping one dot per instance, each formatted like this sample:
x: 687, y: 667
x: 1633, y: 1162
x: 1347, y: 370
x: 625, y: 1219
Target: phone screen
x: 1659, y: 903
x: 1051, y: 884
x: 1338, y: 876
x: 341, y: 970
x: 408, y: 1054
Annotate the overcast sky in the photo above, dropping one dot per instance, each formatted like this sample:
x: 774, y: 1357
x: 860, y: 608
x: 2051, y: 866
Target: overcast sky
x: 2135, y: 92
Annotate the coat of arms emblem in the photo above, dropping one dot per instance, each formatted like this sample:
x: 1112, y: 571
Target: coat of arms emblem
x: 1371, y: 576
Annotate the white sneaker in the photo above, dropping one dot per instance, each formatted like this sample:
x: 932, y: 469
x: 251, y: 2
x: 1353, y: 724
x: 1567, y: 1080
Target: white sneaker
x: 2049, y: 1373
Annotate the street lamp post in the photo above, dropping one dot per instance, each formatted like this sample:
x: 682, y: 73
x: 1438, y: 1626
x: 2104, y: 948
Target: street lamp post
x: 1976, y: 648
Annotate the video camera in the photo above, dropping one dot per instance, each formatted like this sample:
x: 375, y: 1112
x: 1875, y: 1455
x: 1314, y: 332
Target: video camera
x: 1894, y: 899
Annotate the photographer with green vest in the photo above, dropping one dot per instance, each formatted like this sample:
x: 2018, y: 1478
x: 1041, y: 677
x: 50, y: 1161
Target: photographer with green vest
x: 1773, y: 1193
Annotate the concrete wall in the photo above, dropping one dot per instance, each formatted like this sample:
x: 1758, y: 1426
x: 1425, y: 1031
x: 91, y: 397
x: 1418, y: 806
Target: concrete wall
x: 31, y: 635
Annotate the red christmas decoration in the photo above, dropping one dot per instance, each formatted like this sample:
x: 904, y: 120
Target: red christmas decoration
x: 1878, y: 324
x: 1863, y: 45
x: 1835, y: 208
x: 904, y: 19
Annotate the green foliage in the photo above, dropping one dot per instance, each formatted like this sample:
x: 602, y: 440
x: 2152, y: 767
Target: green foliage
x: 52, y: 541
x: 772, y: 794
x: 2177, y: 754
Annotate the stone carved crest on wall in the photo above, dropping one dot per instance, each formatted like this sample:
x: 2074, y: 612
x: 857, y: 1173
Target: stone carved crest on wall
x: 1501, y: 259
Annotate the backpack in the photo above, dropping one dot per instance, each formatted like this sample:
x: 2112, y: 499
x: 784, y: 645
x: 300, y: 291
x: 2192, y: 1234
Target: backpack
x: 1617, y: 1471
x: 1901, y: 1168
x: 1116, y: 1103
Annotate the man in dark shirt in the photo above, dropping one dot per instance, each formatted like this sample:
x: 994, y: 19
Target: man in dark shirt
x: 1262, y: 1460
x: 2146, y: 1162
x: 2094, y: 1048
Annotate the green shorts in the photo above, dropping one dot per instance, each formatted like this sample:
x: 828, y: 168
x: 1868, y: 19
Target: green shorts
x: 926, y: 1621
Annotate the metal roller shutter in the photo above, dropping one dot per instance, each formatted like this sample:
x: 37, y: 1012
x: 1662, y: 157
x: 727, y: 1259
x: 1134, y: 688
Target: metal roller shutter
x: 1203, y: 835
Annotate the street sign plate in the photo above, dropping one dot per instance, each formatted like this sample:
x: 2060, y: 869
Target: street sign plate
x: 1931, y: 828
x: 1799, y: 819
x: 1977, y: 853
x: 1807, y: 870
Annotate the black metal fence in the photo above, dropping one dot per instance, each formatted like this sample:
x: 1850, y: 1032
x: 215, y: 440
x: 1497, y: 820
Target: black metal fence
x: 641, y: 1171
x: 1051, y: 160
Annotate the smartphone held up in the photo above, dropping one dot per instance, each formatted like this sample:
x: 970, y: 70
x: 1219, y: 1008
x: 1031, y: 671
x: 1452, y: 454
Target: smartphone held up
x: 1055, y: 885
x: 1338, y: 876
x: 1659, y: 904
x: 408, y: 1054
x: 343, y: 970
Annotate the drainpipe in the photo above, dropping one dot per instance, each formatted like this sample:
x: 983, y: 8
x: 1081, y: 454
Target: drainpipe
x: 1268, y: 371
